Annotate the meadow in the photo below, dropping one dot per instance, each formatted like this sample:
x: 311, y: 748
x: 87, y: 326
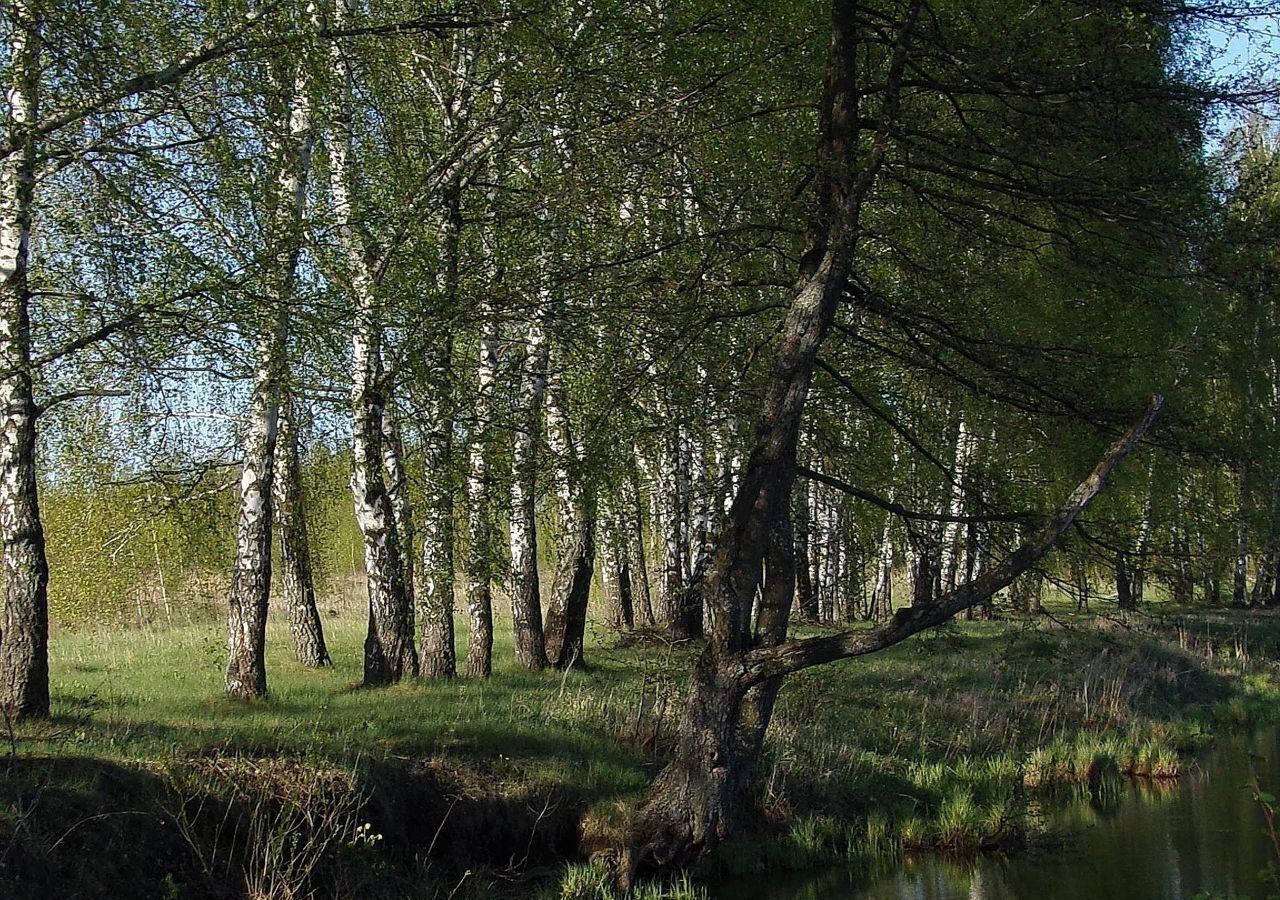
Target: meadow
x: 148, y: 775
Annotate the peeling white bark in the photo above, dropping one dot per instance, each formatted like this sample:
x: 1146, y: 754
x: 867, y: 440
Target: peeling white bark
x: 526, y: 595
x: 479, y: 565
x: 389, y: 649
x: 24, y: 642
x: 249, y: 595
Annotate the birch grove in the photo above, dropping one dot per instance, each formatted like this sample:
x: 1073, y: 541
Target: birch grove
x: 713, y: 330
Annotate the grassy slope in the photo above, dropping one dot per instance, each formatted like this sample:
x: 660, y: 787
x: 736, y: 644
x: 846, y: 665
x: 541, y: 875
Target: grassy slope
x: 934, y: 743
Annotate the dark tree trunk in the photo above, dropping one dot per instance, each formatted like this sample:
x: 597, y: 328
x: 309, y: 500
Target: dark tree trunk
x: 1124, y: 582
x: 296, y: 575
x: 567, y: 615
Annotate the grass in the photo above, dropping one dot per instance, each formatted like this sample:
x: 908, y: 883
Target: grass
x: 458, y: 788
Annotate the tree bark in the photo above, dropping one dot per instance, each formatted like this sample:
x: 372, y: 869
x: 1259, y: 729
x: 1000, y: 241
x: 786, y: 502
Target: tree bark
x: 397, y: 481
x: 479, y: 565
x: 297, y: 578
x: 246, y: 675
x: 571, y: 592
x: 24, y: 642
x: 526, y: 597
x: 249, y: 599
x: 388, y: 650
x: 437, y: 657
x: 637, y: 560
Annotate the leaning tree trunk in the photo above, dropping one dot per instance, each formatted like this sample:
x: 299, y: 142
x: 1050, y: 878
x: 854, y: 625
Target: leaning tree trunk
x: 296, y: 576
x: 571, y: 592
x: 694, y: 802
x: 24, y: 642
x: 526, y: 597
x: 265, y: 481
x: 246, y: 674
x: 388, y: 648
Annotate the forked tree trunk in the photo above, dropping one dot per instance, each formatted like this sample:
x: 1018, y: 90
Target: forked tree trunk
x: 696, y: 799
x: 296, y: 576
x: 389, y: 653
x: 526, y: 597
x: 24, y: 642
x: 249, y: 598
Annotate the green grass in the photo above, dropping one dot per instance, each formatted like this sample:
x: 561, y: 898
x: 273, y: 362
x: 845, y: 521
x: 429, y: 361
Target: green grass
x: 942, y: 742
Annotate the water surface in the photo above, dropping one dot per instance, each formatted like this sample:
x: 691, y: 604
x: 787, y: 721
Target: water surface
x: 1200, y: 837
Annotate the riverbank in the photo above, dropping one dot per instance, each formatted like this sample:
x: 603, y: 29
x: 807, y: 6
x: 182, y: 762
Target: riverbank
x: 148, y: 777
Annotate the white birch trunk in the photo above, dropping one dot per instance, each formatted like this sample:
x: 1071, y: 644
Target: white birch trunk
x: 250, y: 592
x: 388, y: 651
x: 479, y: 565
x: 246, y: 674
x: 437, y: 657
x: 637, y: 559
x: 567, y: 611
x: 24, y: 642
x: 526, y: 595
x: 953, y: 533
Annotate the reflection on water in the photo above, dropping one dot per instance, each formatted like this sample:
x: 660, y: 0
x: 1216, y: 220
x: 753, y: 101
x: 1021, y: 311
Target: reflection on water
x: 1199, y: 837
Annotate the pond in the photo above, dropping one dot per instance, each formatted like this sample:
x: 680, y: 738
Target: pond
x: 1202, y: 836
